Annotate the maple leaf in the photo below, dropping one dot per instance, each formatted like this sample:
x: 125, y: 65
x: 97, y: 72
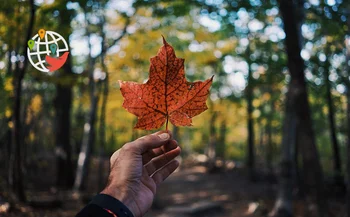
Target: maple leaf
x: 167, y: 95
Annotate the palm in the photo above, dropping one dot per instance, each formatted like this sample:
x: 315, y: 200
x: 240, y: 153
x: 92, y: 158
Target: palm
x: 139, y: 175
x: 145, y: 193
x: 142, y: 188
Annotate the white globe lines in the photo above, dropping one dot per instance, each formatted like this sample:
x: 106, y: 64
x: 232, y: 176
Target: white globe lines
x: 45, y: 51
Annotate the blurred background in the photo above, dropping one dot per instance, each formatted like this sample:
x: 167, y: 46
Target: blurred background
x: 272, y: 143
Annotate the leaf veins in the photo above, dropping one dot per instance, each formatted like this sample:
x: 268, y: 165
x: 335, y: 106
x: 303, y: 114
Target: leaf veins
x: 167, y: 95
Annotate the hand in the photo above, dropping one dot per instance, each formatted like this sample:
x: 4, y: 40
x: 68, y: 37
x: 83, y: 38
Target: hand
x: 139, y: 167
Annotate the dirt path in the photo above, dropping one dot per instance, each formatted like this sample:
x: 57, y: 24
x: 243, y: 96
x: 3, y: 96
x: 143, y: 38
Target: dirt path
x: 188, y: 192
x: 230, y: 191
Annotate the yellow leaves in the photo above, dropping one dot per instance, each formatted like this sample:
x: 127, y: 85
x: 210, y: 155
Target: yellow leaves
x: 234, y: 152
x: 256, y: 113
x: 145, y: 11
x: 36, y: 103
x: 256, y: 102
x: 13, y: 17
x: 34, y: 108
x: 8, y: 85
x: 325, y: 109
x: 31, y: 136
x: 266, y: 96
x: 329, y: 39
x: 8, y: 113
x: 185, y: 36
x: 227, y: 46
x: 117, y: 118
x: 275, y: 123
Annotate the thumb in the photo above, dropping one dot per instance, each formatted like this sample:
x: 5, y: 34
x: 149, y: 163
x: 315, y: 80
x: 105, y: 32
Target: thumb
x: 151, y: 141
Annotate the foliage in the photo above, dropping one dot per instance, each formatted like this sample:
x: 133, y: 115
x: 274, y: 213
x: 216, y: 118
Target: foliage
x: 221, y: 38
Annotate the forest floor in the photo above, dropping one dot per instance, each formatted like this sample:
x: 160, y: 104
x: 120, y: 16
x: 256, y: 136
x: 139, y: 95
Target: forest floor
x: 190, y: 191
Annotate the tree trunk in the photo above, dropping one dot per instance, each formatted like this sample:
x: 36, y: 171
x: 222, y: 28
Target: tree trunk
x: 269, y: 145
x: 88, y: 136
x: 306, y: 140
x: 222, y: 140
x: 269, y: 142
x: 102, y: 133
x: 16, y: 165
x: 63, y: 104
x: 105, y: 92
x: 89, y: 126
x: 283, y: 206
x: 347, y: 83
x: 335, y: 146
x: 299, y: 171
x: 63, y: 107
x: 212, y: 142
x: 250, y: 125
x: 79, y: 118
x: 348, y: 148
x: 262, y: 140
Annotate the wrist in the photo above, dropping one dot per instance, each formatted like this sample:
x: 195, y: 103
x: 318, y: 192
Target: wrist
x: 120, y: 195
x: 112, y: 205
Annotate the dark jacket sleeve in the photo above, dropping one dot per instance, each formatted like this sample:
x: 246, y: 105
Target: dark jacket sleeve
x: 103, y: 205
x: 92, y: 210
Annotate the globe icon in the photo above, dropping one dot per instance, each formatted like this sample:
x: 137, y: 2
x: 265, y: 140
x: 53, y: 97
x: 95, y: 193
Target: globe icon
x: 43, y: 45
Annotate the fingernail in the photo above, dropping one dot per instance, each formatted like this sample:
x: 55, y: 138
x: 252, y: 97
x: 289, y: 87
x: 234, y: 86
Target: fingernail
x: 164, y: 136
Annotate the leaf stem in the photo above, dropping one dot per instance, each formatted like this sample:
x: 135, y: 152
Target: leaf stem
x: 166, y: 125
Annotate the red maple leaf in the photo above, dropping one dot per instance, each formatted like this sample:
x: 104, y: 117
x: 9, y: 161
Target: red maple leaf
x: 167, y: 95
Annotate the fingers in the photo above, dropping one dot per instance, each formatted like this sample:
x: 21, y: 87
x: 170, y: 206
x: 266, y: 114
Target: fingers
x: 144, y: 144
x: 152, y: 153
x: 164, y: 131
x: 148, y: 142
x: 163, y: 173
x: 148, y: 181
x: 160, y: 161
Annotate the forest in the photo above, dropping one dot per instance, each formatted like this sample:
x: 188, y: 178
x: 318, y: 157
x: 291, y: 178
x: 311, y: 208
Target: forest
x: 274, y: 141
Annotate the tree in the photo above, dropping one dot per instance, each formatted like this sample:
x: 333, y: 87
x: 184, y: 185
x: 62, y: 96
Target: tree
x: 299, y: 103
x: 63, y: 106
x: 251, y: 136
x: 212, y: 142
x: 104, y: 93
x: 15, y: 166
x: 332, y: 126
x: 269, y: 142
x: 283, y: 206
x: 333, y: 32
x: 347, y: 67
x: 89, y: 127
